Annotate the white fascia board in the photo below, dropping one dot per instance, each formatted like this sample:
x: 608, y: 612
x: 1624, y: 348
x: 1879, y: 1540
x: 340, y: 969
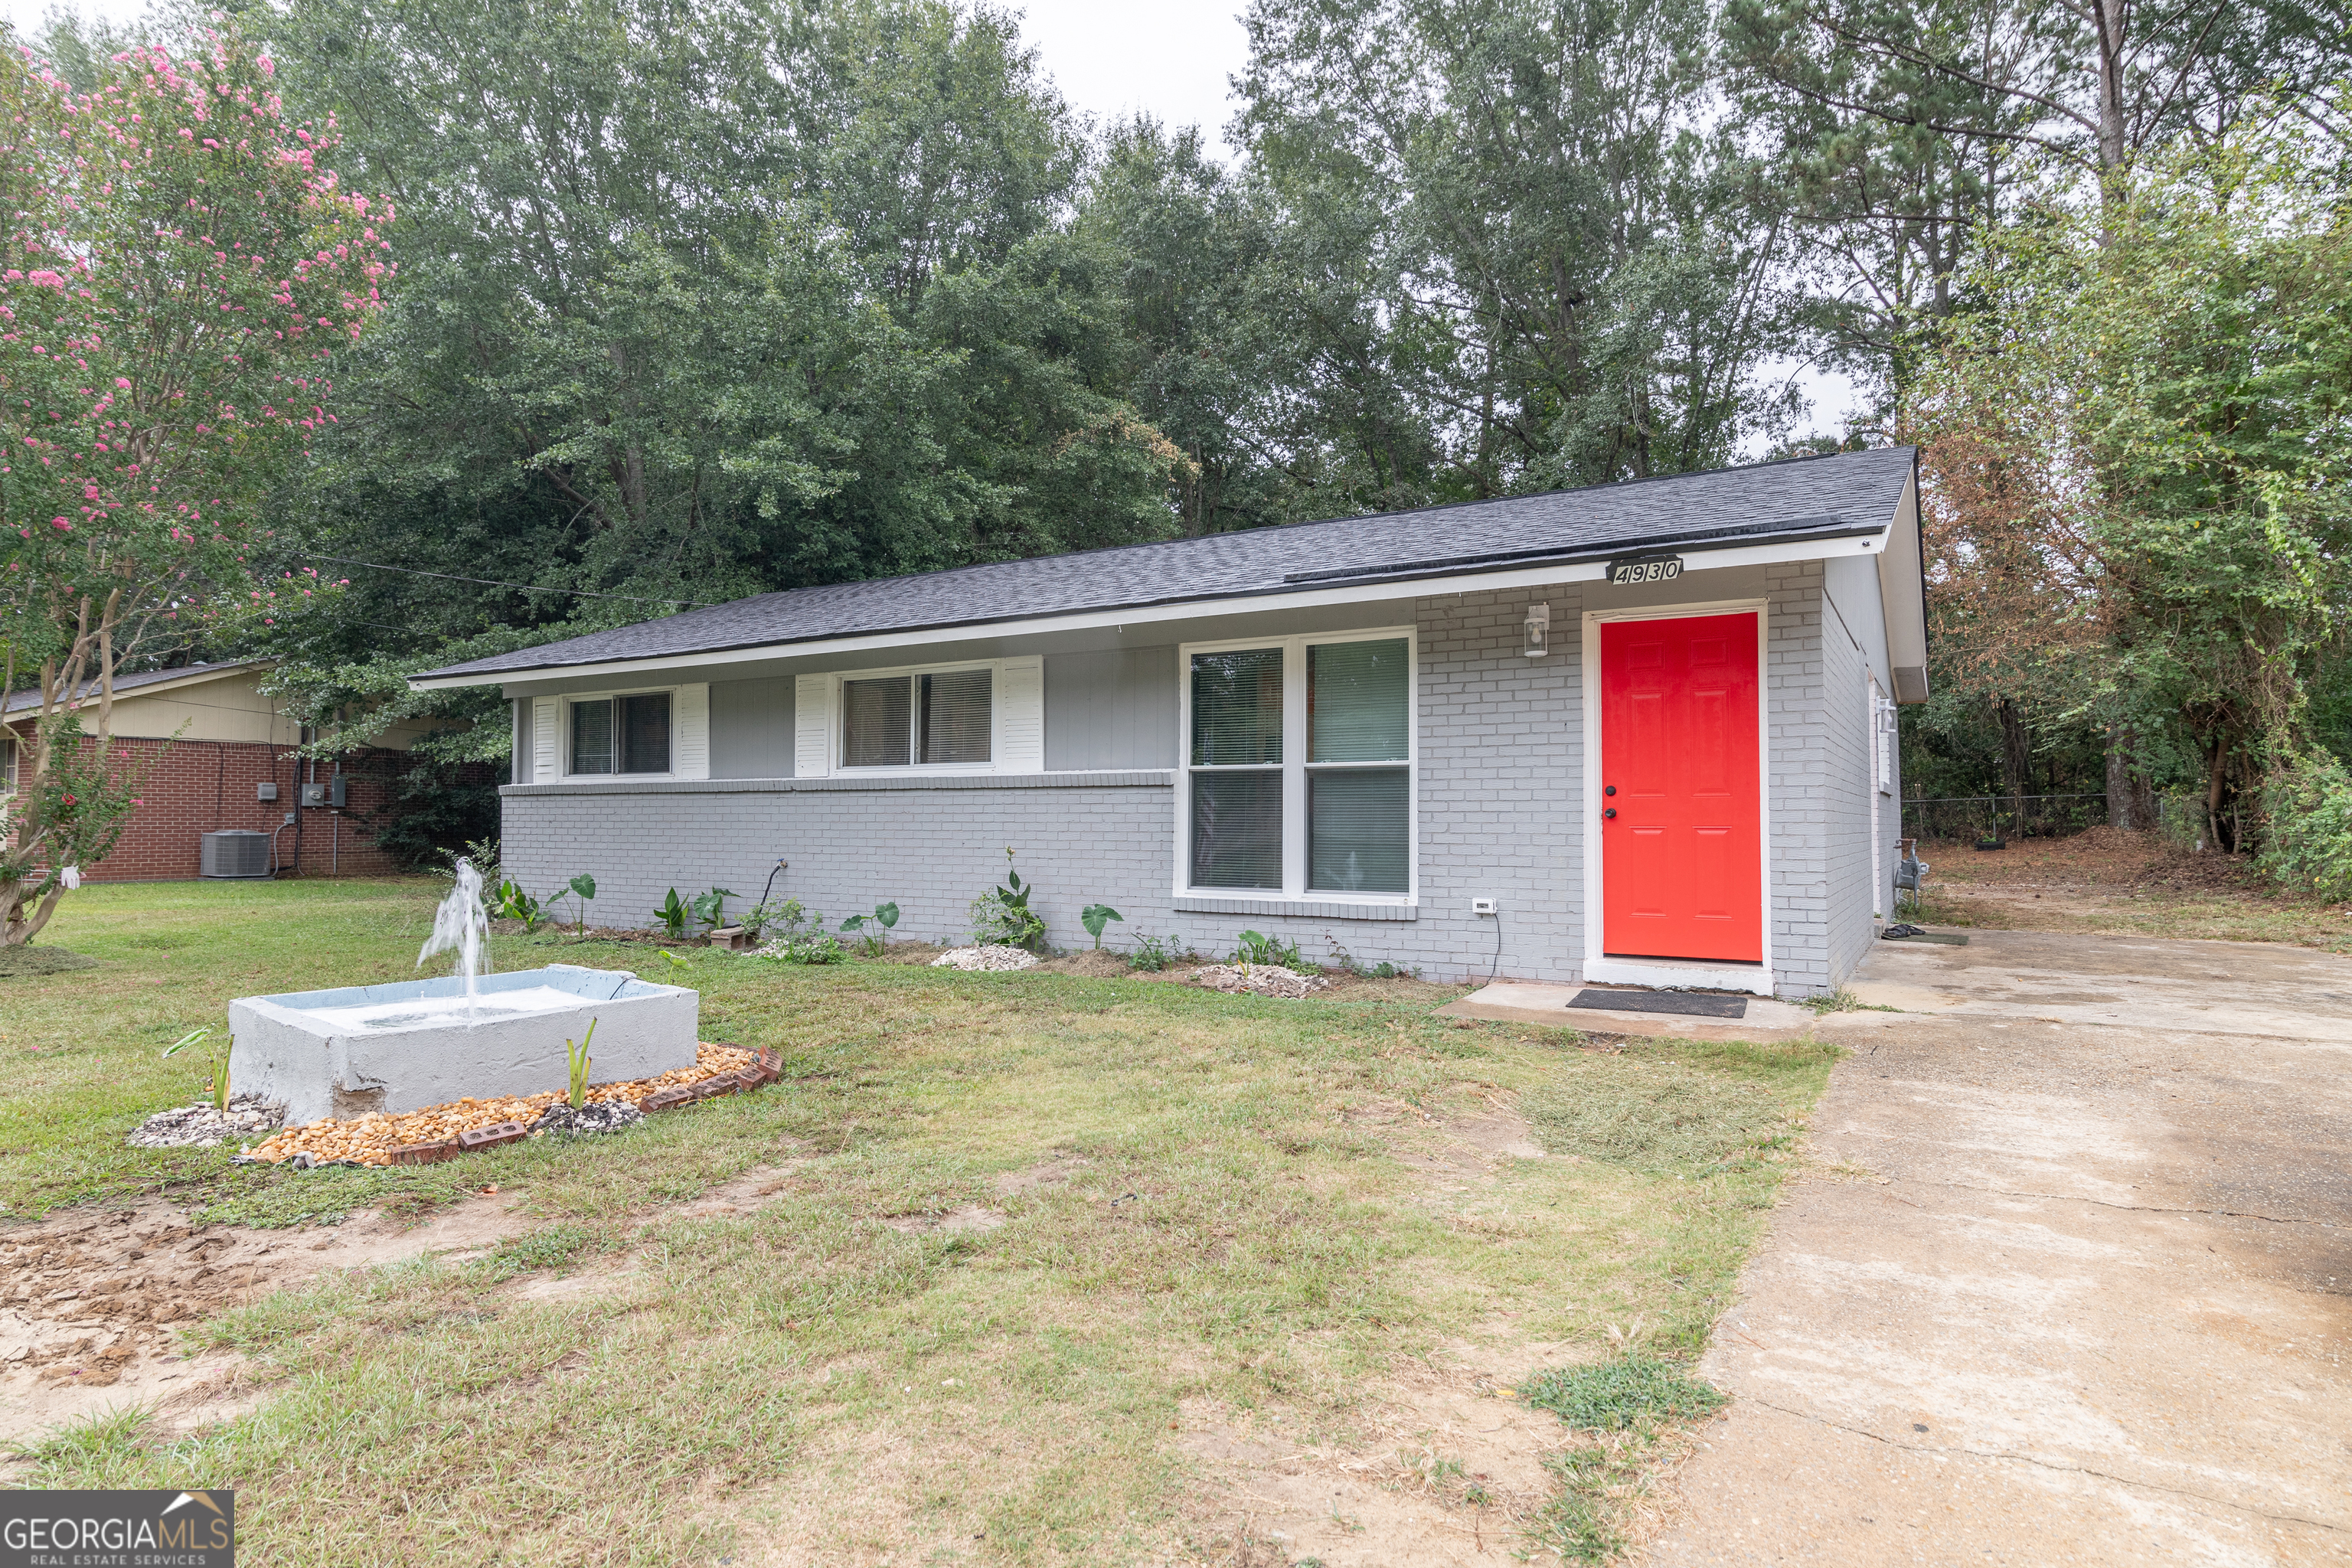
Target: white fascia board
x: 1381, y: 590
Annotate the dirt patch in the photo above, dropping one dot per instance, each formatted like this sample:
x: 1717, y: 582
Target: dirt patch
x: 2111, y: 859
x: 90, y: 1301
x: 969, y: 1219
x: 1441, y: 1466
x: 1052, y: 1172
x: 1094, y: 963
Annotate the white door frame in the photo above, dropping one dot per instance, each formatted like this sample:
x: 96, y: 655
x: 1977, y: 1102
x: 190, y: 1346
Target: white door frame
x: 1598, y: 965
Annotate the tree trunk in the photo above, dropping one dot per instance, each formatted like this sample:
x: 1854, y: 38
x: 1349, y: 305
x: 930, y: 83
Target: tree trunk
x: 2216, y: 780
x: 2016, y: 759
x: 2121, y: 801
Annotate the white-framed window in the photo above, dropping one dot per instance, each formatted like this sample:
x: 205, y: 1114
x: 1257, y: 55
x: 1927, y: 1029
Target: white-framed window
x: 919, y: 718
x: 1299, y: 768
x: 622, y: 733
x: 973, y: 715
x: 7, y: 764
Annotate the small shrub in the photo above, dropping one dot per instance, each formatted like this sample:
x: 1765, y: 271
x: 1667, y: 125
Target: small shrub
x: 1343, y: 960
x: 1002, y: 916
x: 1154, y: 954
x: 513, y: 904
x: 801, y: 936
x: 2308, y: 805
x: 1256, y: 947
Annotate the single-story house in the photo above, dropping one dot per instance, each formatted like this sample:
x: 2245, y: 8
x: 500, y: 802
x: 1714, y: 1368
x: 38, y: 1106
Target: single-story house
x: 214, y: 753
x: 1639, y: 732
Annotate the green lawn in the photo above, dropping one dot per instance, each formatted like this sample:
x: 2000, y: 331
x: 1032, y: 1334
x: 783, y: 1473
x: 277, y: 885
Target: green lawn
x: 1239, y: 1209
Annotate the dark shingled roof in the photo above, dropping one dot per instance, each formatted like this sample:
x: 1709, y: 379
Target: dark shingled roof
x: 1846, y: 494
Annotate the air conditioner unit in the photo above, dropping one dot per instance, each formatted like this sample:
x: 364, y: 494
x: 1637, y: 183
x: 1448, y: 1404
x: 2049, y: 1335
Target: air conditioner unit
x: 236, y: 852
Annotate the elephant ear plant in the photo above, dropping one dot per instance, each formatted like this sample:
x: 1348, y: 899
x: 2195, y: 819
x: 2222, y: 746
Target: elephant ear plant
x: 1094, y: 917
x: 873, y: 927
x: 217, y: 1056
x: 584, y: 888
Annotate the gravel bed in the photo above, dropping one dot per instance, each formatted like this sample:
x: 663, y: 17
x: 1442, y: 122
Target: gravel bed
x: 990, y: 958
x: 207, y: 1128
x: 370, y: 1139
x: 1258, y: 979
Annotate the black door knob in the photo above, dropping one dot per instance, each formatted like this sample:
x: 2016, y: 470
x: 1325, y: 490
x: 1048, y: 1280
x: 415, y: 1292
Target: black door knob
x: 1609, y: 811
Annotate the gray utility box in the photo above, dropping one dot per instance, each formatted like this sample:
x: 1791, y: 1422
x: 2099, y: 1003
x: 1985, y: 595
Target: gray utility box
x: 326, y: 792
x: 236, y: 852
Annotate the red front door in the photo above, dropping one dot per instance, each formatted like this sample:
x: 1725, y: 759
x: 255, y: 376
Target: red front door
x: 1681, y: 867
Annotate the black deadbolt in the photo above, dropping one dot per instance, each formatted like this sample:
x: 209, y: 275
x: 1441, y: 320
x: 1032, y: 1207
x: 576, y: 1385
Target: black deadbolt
x: 1608, y: 811
x: 1610, y: 789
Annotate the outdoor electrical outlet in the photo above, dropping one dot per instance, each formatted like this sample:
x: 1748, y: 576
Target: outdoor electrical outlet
x: 1481, y: 906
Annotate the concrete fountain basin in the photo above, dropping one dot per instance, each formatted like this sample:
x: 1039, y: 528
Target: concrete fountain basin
x: 404, y: 1045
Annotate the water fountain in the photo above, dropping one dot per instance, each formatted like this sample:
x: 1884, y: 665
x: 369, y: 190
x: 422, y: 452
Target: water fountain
x: 403, y: 1046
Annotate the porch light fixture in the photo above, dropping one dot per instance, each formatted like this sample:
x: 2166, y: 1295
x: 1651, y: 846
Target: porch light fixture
x: 1538, y: 630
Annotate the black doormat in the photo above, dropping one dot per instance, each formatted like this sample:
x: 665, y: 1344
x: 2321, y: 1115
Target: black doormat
x: 1681, y: 1002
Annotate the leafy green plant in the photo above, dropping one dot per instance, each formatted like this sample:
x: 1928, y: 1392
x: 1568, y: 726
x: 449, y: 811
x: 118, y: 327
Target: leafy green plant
x: 873, y: 926
x: 216, y: 1056
x: 710, y: 908
x: 1154, y: 954
x: 2309, y: 807
x: 1256, y: 947
x: 800, y: 934
x: 1094, y: 917
x: 674, y: 914
x: 1342, y: 959
x: 584, y: 888
x: 580, y: 1063
x: 514, y: 904
x: 1002, y: 916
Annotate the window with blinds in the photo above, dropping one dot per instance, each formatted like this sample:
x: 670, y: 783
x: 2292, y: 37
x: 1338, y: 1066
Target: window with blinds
x: 622, y: 734
x: 944, y: 719
x: 1300, y: 767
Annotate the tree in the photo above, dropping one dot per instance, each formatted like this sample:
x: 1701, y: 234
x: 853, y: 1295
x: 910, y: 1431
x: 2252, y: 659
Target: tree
x: 1577, y: 278
x: 183, y: 267
x: 2137, y: 462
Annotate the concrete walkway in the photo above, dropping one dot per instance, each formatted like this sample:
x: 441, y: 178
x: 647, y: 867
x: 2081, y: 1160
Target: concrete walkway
x: 2058, y: 1292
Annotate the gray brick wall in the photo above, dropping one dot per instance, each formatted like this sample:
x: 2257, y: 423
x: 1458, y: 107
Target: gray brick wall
x: 1501, y: 754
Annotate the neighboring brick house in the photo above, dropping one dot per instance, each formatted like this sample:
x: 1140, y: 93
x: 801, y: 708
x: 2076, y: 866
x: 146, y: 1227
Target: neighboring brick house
x: 211, y: 746
x: 1637, y: 733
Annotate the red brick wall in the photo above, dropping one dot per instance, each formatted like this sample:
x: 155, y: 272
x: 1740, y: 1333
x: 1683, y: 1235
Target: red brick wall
x: 197, y: 787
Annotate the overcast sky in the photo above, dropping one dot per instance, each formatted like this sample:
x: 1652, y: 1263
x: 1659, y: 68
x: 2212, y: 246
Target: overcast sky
x: 1173, y: 59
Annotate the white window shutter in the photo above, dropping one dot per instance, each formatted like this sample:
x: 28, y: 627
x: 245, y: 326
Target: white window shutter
x: 546, y: 726
x: 693, y: 758
x: 813, y: 726
x: 1021, y: 701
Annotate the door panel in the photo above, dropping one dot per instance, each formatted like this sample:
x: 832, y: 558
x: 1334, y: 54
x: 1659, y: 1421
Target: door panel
x: 1680, y: 862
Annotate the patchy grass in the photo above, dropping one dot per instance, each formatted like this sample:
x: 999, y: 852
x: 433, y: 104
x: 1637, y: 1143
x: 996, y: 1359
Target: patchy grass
x: 1005, y: 1226
x: 1617, y: 1396
x: 18, y: 961
x: 1623, y: 1410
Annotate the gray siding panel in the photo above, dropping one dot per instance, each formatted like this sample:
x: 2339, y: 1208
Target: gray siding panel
x: 1115, y: 709
x: 750, y: 729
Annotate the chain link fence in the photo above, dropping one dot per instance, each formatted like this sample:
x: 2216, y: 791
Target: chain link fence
x: 1973, y: 819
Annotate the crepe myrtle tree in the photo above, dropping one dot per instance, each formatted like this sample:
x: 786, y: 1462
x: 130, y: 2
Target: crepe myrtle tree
x: 178, y: 268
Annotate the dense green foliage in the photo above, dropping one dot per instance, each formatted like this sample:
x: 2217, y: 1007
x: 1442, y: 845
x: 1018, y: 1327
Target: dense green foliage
x: 701, y: 301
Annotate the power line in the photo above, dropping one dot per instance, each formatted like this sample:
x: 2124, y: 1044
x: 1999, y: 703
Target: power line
x: 498, y: 582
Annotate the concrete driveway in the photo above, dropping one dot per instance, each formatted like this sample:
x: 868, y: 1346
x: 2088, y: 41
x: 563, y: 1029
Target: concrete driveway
x: 2073, y: 1281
